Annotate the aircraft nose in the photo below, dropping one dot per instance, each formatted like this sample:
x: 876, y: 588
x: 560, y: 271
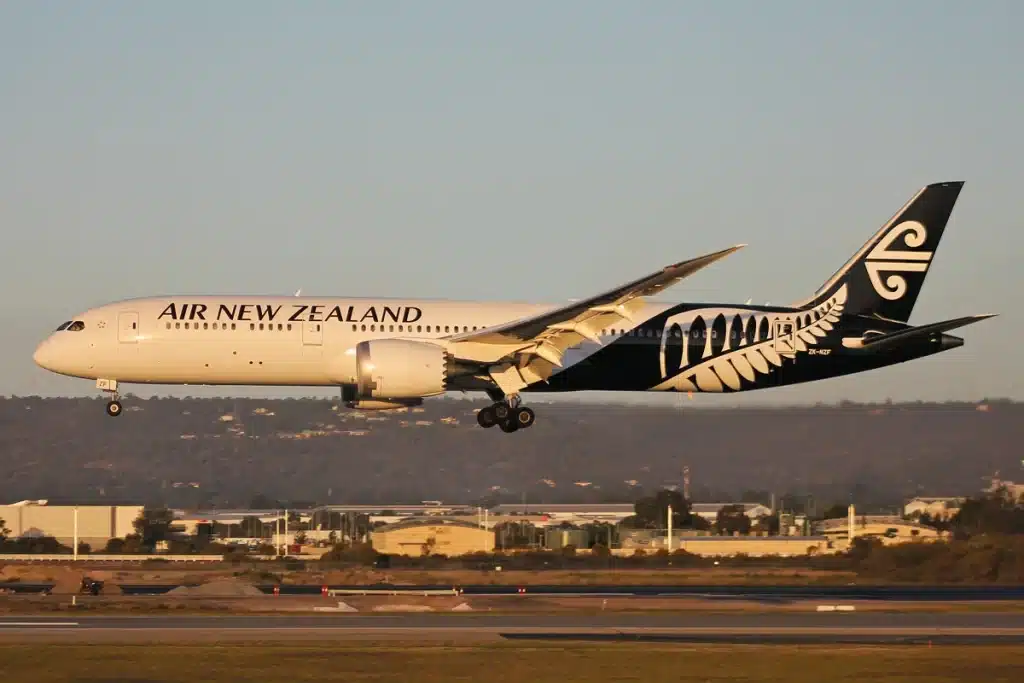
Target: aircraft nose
x: 44, y: 357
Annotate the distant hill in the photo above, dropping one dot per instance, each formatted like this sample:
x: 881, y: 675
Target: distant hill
x: 188, y: 452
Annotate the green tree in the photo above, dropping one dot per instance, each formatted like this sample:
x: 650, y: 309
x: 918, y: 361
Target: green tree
x: 768, y: 524
x: 153, y: 526
x: 992, y: 514
x: 732, y: 519
x: 251, y: 527
x: 837, y: 511
x: 651, y: 512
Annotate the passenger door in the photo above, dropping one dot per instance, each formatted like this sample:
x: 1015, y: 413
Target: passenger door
x: 312, y: 334
x: 128, y: 327
x: 785, y: 344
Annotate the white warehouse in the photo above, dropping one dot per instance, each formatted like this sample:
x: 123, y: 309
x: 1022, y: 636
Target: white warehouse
x: 97, y: 524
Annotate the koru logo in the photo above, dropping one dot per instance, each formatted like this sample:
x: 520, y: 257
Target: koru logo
x: 882, y: 259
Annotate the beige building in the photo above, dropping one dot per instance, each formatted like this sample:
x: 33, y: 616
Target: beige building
x: 725, y: 546
x: 935, y: 507
x: 449, y: 537
x: 97, y: 524
x: 887, y: 528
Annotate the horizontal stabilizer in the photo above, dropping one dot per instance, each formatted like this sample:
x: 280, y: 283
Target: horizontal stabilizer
x: 880, y: 342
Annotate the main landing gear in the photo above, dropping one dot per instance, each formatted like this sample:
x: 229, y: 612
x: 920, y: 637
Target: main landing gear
x: 507, y: 414
x: 114, y: 408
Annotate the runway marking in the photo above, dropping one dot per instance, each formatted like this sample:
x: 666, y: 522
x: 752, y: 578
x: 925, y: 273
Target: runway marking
x: 23, y: 624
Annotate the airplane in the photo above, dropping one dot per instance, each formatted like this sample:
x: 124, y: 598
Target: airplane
x: 393, y: 353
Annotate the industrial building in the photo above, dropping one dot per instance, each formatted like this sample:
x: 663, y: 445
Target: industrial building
x: 709, y: 511
x: 96, y: 524
x: 889, y: 529
x: 451, y: 537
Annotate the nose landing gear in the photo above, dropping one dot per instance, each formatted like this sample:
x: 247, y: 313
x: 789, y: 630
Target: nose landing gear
x: 507, y: 414
x: 110, y: 386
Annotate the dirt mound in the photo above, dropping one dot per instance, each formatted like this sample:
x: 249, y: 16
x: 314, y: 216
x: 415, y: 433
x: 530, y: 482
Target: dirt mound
x: 67, y: 584
x: 218, y: 589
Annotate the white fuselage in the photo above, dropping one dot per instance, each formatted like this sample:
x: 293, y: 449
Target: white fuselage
x: 253, y: 340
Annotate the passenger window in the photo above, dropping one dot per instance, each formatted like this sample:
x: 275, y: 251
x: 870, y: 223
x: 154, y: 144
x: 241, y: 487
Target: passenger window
x: 289, y: 327
x: 364, y: 328
x: 445, y: 328
x: 177, y: 326
x: 206, y: 326
x: 168, y: 326
x: 401, y: 328
x: 252, y: 327
x: 215, y: 326
x: 391, y: 328
x: 186, y: 326
x: 419, y: 328
x: 261, y: 326
x: 232, y: 326
x: 373, y: 328
x: 318, y: 327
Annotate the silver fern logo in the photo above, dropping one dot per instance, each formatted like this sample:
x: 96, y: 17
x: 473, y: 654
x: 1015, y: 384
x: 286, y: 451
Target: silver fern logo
x: 884, y: 259
x: 791, y: 333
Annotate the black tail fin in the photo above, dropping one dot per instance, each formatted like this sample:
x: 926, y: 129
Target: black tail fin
x: 885, y: 277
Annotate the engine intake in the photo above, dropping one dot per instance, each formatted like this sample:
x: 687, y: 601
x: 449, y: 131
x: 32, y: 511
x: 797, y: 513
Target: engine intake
x: 400, y: 368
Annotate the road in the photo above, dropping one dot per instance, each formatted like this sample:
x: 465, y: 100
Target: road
x: 812, y: 627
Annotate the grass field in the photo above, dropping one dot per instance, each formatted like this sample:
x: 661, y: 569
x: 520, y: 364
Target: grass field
x: 504, y: 663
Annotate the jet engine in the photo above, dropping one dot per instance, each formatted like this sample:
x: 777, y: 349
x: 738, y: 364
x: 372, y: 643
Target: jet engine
x: 400, y: 369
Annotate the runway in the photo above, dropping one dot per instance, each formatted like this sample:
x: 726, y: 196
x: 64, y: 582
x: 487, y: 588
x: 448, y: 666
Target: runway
x: 767, y: 593
x: 779, y: 628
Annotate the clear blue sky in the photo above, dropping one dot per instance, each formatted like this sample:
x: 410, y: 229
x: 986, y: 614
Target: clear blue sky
x: 529, y: 150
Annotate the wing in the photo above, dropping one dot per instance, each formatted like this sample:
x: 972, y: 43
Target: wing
x: 548, y: 335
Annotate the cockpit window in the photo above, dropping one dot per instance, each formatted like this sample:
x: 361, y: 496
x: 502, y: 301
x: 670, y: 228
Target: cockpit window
x: 63, y: 325
x: 76, y: 326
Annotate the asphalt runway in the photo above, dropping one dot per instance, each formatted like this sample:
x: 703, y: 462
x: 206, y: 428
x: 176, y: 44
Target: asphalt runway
x: 811, y: 627
x: 767, y: 594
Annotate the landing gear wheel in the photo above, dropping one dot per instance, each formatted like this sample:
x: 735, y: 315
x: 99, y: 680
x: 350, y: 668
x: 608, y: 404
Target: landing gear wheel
x: 525, y: 417
x: 501, y: 411
x: 509, y: 426
x: 486, y: 417
x: 114, y: 408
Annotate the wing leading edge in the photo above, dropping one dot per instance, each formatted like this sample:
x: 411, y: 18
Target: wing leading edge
x: 534, y: 346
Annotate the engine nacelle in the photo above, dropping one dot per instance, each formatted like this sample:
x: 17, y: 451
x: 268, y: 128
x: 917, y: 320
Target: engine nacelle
x: 384, y: 405
x: 400, y: 368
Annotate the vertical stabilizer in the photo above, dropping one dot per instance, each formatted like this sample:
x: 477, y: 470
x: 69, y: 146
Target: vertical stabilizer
x: 885, y: 277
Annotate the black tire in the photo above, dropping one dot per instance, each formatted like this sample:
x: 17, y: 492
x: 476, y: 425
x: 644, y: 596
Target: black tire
x: 509, y: 426
x: 525, y: 417
x: 486, y: 417
x: 501, y: 411
x: 114, y: 408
